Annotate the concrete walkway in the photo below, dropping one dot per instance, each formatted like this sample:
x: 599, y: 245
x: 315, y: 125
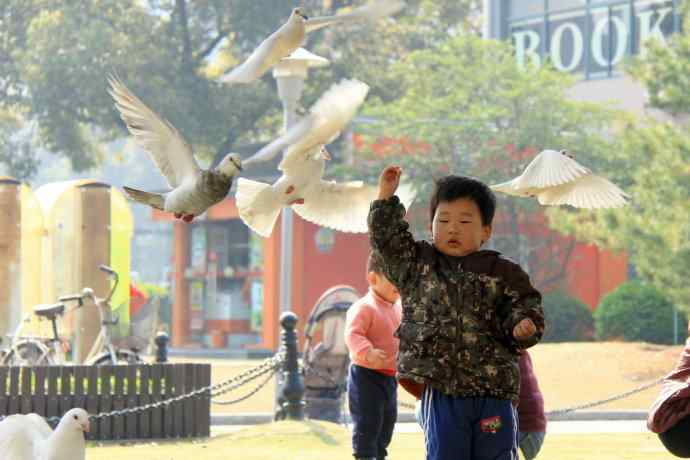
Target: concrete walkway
x: 562, y: 427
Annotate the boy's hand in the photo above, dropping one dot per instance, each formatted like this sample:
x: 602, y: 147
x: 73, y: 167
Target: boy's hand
x: 376, y: 357
x: 389, y: 181
x: 524, y: 329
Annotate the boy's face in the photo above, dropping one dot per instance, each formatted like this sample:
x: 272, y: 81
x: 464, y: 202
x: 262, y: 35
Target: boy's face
x: 457, y: 228
x: 380, y: 284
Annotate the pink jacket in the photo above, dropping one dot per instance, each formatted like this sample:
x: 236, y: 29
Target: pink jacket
x: 371, y: 323
x: 673, y: 403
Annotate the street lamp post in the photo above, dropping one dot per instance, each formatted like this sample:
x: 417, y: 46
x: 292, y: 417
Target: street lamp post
x: 290, y: 74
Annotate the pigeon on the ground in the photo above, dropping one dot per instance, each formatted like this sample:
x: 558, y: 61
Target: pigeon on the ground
x: 29, y: 437
x: 341, y: 206
x: 291, y: 36
x: 193, y: 190
x: 555, y: 178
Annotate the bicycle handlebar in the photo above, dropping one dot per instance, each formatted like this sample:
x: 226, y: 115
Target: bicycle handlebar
x: 69, y: 298
x: 113, y: 273
x: 108, y: 270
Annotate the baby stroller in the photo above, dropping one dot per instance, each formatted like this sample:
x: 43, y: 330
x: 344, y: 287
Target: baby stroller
x: 326, y: 357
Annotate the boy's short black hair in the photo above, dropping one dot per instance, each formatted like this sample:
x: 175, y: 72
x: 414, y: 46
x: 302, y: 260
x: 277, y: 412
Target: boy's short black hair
x: 374, y: 262
x: 450, y: 188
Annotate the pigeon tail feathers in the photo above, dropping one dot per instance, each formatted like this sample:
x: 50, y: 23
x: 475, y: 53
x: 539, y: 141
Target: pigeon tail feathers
x: 258, y: 206
x: 154, y: 200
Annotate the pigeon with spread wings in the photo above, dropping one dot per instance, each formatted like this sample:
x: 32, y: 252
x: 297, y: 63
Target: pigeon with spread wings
x: 555, y: 178
x: 341, y: 206
x: 193, y: 190
x: 291, y: 35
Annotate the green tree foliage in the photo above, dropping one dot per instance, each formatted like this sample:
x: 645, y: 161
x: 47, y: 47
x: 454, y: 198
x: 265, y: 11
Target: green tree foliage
x: 655, y: 170
x: 567, y: 319
x: 55, y: 56
x: 637, y: 311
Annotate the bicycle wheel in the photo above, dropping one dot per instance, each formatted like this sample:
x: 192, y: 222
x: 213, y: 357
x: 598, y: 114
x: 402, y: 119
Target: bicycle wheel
x: 28, y: 353
x: 122, y: 357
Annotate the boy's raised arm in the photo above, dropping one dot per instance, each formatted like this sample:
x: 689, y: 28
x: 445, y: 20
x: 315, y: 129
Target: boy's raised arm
x: 389, y: 233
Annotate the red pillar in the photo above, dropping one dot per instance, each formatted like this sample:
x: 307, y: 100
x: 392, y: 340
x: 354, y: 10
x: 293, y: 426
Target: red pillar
x: 271, y: 278
x: 180, y: 308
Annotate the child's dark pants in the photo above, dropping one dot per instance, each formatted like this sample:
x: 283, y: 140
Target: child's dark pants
x: 468, y: 428
x: 373, y: 399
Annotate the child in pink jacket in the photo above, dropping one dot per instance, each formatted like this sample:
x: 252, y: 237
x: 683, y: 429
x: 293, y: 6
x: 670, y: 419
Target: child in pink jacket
x: 372, y: 389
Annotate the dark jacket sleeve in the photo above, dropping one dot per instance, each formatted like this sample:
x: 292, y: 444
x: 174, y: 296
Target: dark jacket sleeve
x: 520, y: 300
x: 390, y: 236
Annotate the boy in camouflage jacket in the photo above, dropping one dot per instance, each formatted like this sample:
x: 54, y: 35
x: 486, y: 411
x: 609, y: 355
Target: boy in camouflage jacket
x: 466, y: 314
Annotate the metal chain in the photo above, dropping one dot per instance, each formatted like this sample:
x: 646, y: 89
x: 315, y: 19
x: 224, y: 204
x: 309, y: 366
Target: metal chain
x: 607, y: 400
x: 600, y: 402
x: 269, y: 365
x: 406, y: 405
x: 213, y: 390
x: 248, y: 395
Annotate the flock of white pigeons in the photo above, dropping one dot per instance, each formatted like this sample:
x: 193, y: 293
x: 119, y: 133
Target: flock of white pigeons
x: 553, y: 177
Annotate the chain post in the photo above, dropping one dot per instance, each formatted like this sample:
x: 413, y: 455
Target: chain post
x: 291, y: 396
x: 162, y: 339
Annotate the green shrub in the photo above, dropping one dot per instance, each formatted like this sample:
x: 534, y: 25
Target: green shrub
x: 567, y: 318
x: 637, y: 311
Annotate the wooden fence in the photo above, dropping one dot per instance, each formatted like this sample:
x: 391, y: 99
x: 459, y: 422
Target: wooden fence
x: 53, y: 390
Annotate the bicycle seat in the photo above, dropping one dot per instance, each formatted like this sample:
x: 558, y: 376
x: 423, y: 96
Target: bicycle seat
x: 49, y: 310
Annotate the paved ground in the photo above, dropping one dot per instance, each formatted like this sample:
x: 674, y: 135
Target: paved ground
x: 570, y: 427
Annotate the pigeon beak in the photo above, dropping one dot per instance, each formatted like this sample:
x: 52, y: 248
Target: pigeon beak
x: 304, y: 16
x: 86, y: 426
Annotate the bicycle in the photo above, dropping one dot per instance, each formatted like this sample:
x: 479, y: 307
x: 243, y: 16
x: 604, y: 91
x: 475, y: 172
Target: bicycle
x: 52, y: 350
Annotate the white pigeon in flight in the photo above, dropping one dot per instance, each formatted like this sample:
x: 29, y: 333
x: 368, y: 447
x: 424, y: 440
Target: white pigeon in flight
x: 29, y: 437
x: 341, y: 206
x: 555, y: 178
x: 291, y: 35
x: 193, y: 190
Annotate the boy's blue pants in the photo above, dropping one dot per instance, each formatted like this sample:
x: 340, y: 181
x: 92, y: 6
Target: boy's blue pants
x: 468, y: 428
x: 373, y: 400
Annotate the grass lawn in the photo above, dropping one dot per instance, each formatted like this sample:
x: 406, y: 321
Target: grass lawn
x: 319, y: 440
x: 569, y: 374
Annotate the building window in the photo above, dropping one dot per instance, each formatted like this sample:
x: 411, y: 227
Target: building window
x: 589, y: 37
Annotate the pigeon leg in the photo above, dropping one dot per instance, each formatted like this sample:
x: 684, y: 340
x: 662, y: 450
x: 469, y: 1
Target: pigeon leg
x: 297, y: 201
x: 188, y: 218
x: 324, y: 154
x: 178, y: 215
x: 290, y: 189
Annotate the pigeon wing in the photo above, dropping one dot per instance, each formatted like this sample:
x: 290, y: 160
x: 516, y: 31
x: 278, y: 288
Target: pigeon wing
x: 329, y: 115
x: 40, y: 424
x: 20, y: 438
x: 343, y: 206
x: 291, y: 136
x: 164, y: 144
x: 372, y: 11
x: 268, y: 53
x: 548, y: 169
x: 510, y: 188
x: 589, y: 192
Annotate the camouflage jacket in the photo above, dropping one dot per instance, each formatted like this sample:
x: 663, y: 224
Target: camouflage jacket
x: 458, y: 312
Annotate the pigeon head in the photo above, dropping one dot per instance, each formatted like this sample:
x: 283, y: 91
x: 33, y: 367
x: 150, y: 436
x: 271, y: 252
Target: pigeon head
x: 230, y: 165
x: 75, y: 419
x: 297, y: 13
